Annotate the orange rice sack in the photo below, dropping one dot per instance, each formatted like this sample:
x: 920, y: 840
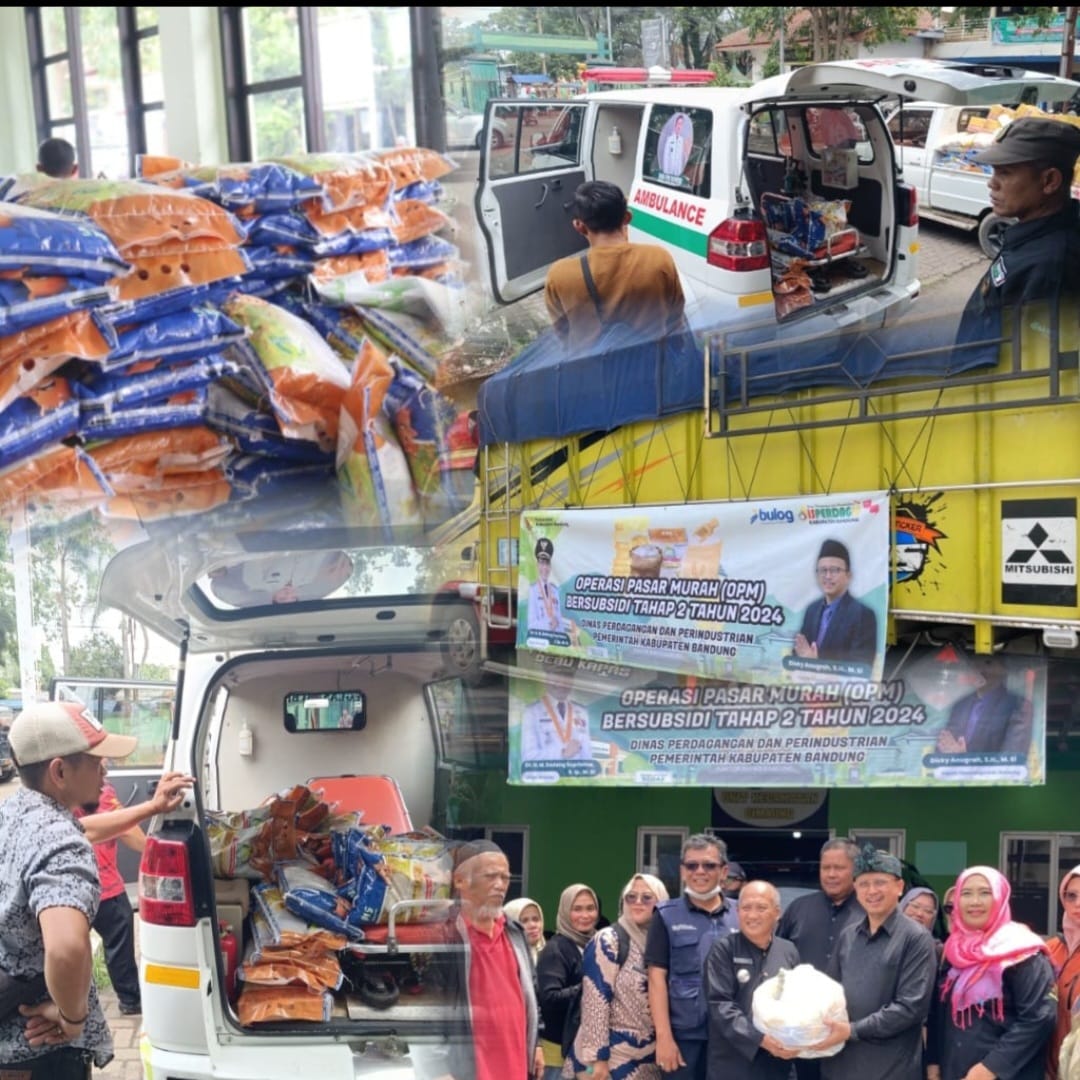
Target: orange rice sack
x: 75, y: 335
x: 177, y: 503
x: 174, y: 450
x: 147, y: 165
x: 416, y: 219
x: 408, y: 164
x: 348, y: 179
x: 350, y: 220
x: 374, y: 265
x: 155, y: 274
x: 142, y: 219
x: 306, y: 379
x: 265, y: 1004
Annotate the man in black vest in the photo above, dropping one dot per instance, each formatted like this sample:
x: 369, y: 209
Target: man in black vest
x: 680, y: 937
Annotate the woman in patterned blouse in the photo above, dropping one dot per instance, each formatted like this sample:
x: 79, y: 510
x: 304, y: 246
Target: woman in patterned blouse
x: 616, y: 1037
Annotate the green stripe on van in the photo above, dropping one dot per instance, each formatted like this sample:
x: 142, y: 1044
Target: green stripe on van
x: 669, y: 232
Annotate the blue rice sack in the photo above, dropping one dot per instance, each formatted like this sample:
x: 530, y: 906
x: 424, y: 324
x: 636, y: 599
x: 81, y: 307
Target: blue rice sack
x: 42, y: 242
x: 180, y: 335
x: 313, y: 899
x: 30, y: 300
x: 40, y: 418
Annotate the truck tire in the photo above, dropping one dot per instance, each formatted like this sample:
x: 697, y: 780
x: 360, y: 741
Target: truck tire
x: 991, y: 230
x: 461, y: 645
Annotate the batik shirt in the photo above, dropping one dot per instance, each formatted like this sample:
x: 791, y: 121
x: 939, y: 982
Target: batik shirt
x: 45, y: 862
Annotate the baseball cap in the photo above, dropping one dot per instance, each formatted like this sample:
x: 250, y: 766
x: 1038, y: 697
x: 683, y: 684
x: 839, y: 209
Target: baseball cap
x: 735, y: 872
x: 1033, y: 138
x: 51, y: 729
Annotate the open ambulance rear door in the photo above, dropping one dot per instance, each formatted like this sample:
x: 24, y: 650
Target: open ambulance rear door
x: 528, y: 175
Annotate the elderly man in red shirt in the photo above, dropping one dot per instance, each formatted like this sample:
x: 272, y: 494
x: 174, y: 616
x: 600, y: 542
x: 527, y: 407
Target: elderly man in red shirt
x: 496, y: 971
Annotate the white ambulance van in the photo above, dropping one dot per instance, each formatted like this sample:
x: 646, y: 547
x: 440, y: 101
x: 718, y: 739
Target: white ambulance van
x: 780, y: 202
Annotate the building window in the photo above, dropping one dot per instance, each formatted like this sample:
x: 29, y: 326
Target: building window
x: 659, y: 852
x: 514, y: 842
x: 1035, y: 863
x: 891, y: 840
x: 316, y: 79
x: 96, y: 75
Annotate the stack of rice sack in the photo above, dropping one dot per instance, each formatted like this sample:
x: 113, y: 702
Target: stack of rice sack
x: 142, y: 400
x: 240, y: 327
x: 959, y: 153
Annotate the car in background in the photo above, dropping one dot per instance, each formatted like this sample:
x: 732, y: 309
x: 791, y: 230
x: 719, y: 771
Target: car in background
x: 7, y: 763
x: 465, y: 130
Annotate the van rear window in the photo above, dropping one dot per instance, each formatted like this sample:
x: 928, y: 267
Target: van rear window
x: 678, y: 149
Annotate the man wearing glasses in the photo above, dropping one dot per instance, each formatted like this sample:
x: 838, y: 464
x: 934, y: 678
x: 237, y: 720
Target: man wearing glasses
x: 837, y: 627
x: 680, y: 937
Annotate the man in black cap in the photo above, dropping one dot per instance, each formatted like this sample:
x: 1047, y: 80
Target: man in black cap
x: 735, y: 880
x: 1033, y: 160
x: 544, y: 611
x: 886, y: 964
x: 836, y: 627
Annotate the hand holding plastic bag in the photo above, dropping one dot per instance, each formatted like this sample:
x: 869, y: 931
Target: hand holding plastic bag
x: 795, y: 1007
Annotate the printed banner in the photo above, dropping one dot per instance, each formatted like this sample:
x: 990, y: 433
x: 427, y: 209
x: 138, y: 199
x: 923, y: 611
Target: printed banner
x: 780, y: 591
x: 939, y: 718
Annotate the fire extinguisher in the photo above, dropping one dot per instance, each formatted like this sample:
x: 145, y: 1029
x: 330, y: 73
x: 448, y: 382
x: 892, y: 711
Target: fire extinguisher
x: 230, y: 953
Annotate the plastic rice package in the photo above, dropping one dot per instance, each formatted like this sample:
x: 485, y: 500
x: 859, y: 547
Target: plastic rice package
x: 418, y: 254
x: 177, y: 502
x: 426, y: 300
x: 429, y: 191
x: 267, y: 1004
x: 276, y: 965
x: 61, y: 477
x: 265, y: 941
x: 354, y: 219
x: 416, y: 218
x: 257, y: 433
x: 150, y: 309
x: 450, y: 274
x: 44, y: 415
x: 38, y: 241
x: 142, y: 219
x: 247, y: 845
x: 148, y: 381
x: 793, y: 1006
x: 181, y: 335
x: 307, y: 380
x: 341, y: 328
x: 374, y: 266
x: 396, y: 868
x: 414, y: 164
x: 178, y: 410
x: 421, y: 418
x: 278, y: 261
x: 155, y: 274
x: 259, y: 187
x: 374, y: 475
x: 312, y: 898
x: 28, y: 300
x: 418, y: 342
x: 348, y: 179
x: 283, y: 926
x: 155, y: 454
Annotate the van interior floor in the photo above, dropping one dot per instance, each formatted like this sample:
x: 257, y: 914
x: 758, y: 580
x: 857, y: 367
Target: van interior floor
x: 841, y: 282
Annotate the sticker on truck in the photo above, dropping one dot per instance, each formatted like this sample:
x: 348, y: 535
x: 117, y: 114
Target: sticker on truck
x: 1038, y: 552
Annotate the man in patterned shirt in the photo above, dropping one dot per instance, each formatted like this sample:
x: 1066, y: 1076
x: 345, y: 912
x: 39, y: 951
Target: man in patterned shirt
x: 49, y: 893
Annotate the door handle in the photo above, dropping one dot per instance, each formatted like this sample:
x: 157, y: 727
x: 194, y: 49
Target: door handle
x: 543, y: 196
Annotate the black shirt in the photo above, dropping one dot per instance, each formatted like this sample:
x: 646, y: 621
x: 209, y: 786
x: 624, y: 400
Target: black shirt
x: 888, y: 980
x: 813, y: 924
x: 658, y: 943
x: 1039, y: 260
x: 734, y: 1043
x: 1012, y: 1047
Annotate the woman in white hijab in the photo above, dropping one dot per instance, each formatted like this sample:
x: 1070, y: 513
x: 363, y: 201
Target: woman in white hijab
x: 616, y: 1031
x: 531, y: 916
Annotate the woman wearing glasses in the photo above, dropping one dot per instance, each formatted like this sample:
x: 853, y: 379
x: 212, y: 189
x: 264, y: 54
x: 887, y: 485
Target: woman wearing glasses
x: 1065, y: 956
x: 616, y: 1036
x: 995, y: 1010
x: 921, y: 904
x: 559, y: 974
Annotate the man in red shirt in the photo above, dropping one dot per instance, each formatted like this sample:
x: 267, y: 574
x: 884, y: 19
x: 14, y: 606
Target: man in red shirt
x: 115, y: 920
x: 498, y: 973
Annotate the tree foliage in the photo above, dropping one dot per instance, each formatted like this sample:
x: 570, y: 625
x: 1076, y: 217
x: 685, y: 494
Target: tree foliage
x: 98, y: 656
x: 830, y: 30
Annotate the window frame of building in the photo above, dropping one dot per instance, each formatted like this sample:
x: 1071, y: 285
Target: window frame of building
x: 129, y: 36
x: 896, y: 839
x: 1055, y: 839
x: 645, y: 857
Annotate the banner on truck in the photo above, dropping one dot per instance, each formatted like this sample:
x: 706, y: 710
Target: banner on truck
x: 939, y: 718
x: 770, y: 591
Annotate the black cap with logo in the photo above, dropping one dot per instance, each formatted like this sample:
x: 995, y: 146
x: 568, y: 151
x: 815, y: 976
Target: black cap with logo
x: 544, y: 548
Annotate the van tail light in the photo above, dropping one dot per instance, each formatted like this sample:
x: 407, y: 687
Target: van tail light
x: 166, y: 897
x: 739, y: 244
x: 907, y: 205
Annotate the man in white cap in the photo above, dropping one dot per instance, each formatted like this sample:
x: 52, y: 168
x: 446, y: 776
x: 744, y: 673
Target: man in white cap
x: 49, y: 893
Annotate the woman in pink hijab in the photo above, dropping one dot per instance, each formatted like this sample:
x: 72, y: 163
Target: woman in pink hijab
x: 1065, y: 957
x: 995, y: 1010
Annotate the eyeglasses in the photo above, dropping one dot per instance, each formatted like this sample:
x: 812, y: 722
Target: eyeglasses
x: 1072, y: 897
x: 694, y: 867
x: 948, y: 908
x: 831, y: 571
x: 639, y: 898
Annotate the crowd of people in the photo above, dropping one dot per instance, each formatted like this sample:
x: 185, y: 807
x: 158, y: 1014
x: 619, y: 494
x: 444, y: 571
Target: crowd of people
x: 949, y: 989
